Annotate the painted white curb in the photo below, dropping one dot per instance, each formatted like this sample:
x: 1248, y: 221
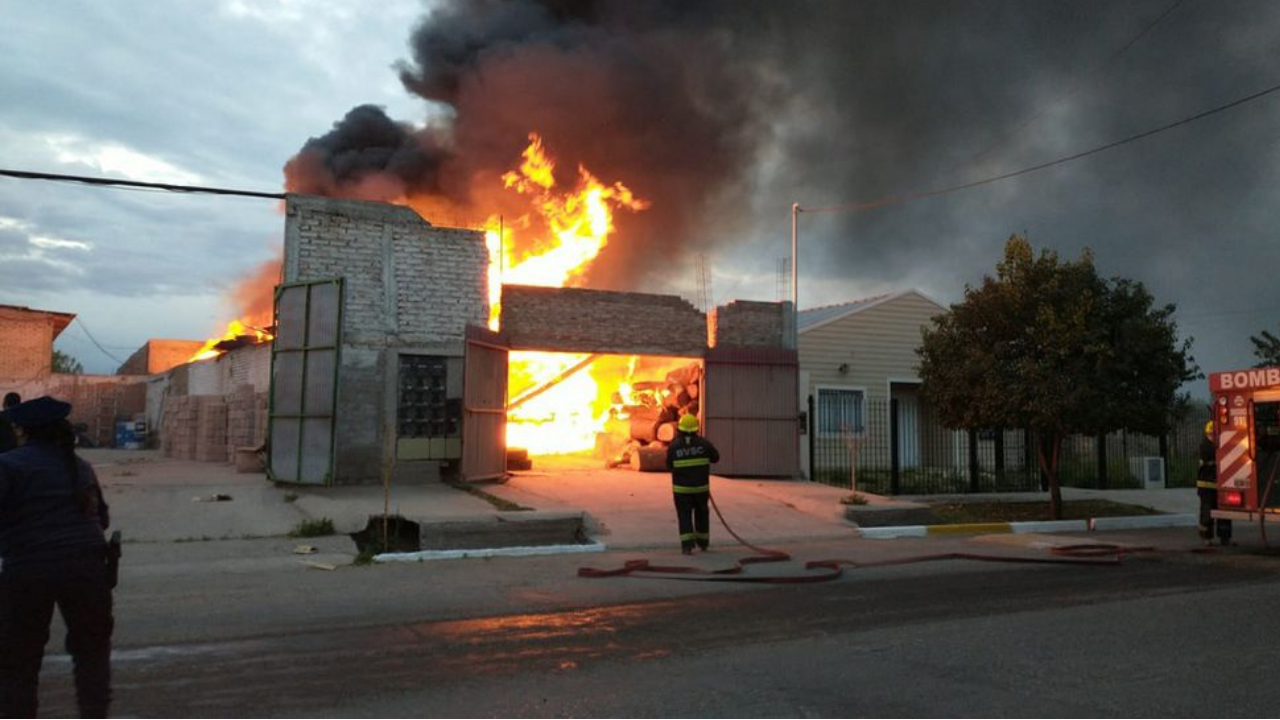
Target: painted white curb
x: 1138, y: 522
x: 1142, y: 522
x: 1049, y: 526
x: 521, y: 551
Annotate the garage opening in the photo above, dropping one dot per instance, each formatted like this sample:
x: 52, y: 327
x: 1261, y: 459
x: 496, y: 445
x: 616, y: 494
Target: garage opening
x: 591, y: 409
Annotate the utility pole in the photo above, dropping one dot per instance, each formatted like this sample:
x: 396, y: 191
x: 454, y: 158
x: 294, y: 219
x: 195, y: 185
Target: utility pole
x: 795, y: 270
x: 704, y: 283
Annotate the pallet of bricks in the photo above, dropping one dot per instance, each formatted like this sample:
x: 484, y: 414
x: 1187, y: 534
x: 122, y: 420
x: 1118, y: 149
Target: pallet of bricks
x: 211, y: 428
x: 178, y: 427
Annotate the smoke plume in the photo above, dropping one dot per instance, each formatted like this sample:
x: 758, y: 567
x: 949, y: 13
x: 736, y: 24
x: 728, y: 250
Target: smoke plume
x: 638, y: 93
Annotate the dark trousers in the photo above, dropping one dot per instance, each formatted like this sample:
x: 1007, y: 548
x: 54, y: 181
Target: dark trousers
x: 694, y: 519
x: 78, y: 587
x: 1207, y: 525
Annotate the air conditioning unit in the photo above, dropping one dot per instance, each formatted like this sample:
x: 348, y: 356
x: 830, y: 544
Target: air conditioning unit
x: 1149, y: 471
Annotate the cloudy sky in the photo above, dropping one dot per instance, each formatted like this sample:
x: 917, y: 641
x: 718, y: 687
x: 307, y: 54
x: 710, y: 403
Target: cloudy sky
x: 721, y: 113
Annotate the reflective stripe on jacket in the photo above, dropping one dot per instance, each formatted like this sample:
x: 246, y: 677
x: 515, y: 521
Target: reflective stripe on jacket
x: 689, y: 459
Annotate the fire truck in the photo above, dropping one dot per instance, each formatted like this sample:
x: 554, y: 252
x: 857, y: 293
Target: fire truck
x: 1246, y: 433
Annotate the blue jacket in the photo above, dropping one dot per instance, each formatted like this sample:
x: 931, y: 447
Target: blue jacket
x: 48, y: 512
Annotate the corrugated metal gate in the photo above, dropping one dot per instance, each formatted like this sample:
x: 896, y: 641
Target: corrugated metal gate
x: 304, y: 382
x: 751, y: 411
x: 484, y: 420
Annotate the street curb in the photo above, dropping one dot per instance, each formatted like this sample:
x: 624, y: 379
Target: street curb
x: 515, y: 551
x: 1142, y: 522
x: 1047, y: 526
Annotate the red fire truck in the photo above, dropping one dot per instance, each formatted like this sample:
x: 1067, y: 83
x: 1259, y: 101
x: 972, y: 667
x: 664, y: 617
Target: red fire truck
x: 1246, y: 431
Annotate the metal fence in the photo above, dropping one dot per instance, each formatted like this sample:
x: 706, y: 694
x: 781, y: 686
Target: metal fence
x: 891, y: 450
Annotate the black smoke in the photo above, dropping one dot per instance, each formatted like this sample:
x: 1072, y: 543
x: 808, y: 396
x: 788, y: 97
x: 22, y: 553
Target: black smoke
x: 722, y: 114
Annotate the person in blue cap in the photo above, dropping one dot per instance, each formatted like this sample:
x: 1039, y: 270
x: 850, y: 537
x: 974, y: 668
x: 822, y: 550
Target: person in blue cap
x: 53, y: 553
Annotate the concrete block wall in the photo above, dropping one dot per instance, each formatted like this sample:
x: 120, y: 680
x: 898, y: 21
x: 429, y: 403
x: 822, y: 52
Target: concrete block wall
x: 407, y: 287
x: 404, y: 280
x: 580, y: 320
x: 749, y: 323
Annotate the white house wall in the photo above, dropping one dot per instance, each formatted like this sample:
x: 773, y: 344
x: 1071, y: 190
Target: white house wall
x: 876, y: 343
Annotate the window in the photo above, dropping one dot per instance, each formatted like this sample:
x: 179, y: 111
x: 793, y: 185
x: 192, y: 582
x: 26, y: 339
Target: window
x: 840, y: 411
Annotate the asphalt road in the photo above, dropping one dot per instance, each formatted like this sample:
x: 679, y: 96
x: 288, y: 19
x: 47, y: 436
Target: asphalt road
x: 1160, y: 635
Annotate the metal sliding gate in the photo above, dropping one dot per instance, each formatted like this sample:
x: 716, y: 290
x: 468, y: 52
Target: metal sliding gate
x: 304, y: 382
x: 752, y: 412
x: 484, y: 420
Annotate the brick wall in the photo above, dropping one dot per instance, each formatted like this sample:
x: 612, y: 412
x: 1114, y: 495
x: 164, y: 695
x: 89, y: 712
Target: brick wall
x: 158, y: 356
x: 26, y: 346
x: 575, y: 319
x: 748, y: 323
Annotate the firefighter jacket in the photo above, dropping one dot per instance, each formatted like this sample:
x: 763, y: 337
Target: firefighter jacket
x: 689, y: 459
x: 1207, y: 473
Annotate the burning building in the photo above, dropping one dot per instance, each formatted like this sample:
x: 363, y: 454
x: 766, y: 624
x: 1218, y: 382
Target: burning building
x: 383, y: 360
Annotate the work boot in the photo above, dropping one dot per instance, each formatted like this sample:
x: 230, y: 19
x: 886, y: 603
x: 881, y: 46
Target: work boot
x: 686, y: 551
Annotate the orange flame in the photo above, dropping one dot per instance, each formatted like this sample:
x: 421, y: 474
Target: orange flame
x: 571, y: 414
x: 579, y: 223
x: 235, y: 330
x: 255, y: 296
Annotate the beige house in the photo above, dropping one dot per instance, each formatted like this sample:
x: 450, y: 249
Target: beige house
x: 856, y: 359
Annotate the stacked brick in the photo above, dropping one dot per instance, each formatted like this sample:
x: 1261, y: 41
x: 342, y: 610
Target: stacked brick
x: 211, y: 428
x: 178, y: 427
x: 195, y: 428
x: 246, y: 419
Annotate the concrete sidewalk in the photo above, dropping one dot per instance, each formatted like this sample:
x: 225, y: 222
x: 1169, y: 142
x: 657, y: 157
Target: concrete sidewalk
x: 155, y: 499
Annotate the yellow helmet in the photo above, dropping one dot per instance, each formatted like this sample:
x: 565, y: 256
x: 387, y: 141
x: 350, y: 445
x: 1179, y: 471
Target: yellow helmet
x: 1208, y: 428
x: 688, y: 423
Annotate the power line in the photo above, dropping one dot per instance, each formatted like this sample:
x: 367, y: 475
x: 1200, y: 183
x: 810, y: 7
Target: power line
x: 1095, y: 71
x: 900, y: 199
x: 94, y: 340
x: 135, y: 185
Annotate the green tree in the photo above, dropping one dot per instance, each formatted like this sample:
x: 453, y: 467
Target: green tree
x: 1049, y: 345
x: 1266, y: 347
x: 64, y: 363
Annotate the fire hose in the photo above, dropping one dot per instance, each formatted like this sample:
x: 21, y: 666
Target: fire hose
x: 831, y: 569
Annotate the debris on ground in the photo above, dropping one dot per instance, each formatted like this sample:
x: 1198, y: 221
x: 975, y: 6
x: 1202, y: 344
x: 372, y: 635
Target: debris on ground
x: 220, y: 497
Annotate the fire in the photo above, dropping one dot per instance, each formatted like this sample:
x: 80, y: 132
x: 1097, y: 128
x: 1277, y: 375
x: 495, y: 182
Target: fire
x: 560, y: 402
x: 255, y: 296
x: 235, y: 331
x: 578, y: 223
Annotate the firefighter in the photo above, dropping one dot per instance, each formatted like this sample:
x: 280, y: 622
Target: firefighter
x: 1207, y: 489
x: 52, y: 520
x: 689, y: 459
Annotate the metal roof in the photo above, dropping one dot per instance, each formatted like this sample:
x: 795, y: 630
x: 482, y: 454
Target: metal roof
x: 815, y: 317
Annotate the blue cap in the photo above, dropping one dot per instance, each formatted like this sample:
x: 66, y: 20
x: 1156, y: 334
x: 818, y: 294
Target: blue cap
x: 41, y: 411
